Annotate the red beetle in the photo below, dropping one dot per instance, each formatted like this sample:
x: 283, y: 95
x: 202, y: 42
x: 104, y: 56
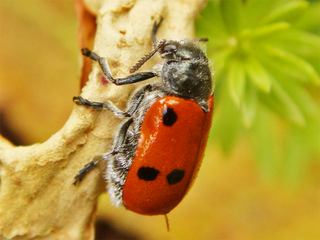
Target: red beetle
x: 160, y: 144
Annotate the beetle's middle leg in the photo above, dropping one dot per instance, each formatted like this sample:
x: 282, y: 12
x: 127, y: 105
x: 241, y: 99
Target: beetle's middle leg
x: 131, y: 108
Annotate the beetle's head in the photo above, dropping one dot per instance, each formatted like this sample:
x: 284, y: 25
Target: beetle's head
x: 174, y: 49
x: 180, y: 49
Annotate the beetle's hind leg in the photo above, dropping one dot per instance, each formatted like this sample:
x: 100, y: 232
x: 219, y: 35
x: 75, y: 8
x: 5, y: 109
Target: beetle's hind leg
x: 117, y: 146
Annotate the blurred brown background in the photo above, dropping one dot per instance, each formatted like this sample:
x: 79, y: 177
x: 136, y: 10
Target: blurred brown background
x: 39, y: 75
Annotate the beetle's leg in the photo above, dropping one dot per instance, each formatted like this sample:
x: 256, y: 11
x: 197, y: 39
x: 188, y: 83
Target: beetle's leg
x: 121, y: 136
x: 132, y: 106
x: 100, y: 106
x: 84, y: 102
x: 88, y: 167
x: 137, y: 99
x: 204, y: 106
x: 133, y: 78
x: 155, y: 29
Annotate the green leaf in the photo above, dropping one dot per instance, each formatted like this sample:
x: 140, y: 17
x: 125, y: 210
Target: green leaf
x: 236, y: 81
x: 220, y: 61
x: 262, y: 64
x: 232, y: 15
x: 302, y: 99
x: 289, y: 62
x: 311, y: 136
x: 255, y: 10
x: 226, y: 123
x: 279, y: 101
x: 304, y: 44
x: 210, y: 24
x: 301, y: 145
x: 288, y: 12
x: 280, y: 70
x: 295, y: 156
x: 264, y: 142
x: 266, y: 31
x: 249, y: 106
x: 311, y: 19
x: 297, y: 93
x: 257, y: 74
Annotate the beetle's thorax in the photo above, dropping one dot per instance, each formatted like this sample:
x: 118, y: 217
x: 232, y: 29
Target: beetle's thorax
x: 185, y: 71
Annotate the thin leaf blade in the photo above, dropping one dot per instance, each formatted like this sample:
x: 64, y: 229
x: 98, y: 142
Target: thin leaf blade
x: 258, y: 75
x: 236, y: 81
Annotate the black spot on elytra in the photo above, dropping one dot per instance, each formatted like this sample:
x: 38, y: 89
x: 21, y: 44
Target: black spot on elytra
x: 169, y: 116
x: 147, y: 173
x: 175, y: 176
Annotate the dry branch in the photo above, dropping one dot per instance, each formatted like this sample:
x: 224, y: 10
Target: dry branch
x: 37, y: 198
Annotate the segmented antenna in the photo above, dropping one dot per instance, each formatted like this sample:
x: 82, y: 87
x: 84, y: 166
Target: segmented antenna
x: 145, y: 58
x: 155, y: 29
x: 202, y: 39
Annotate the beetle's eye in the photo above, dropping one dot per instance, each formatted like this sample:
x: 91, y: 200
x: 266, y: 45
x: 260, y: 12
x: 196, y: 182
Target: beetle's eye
x: 170, y: 48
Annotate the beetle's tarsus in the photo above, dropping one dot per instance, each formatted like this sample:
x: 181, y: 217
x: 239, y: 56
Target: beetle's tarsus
x: 86, y: 52
x: 89, y: 166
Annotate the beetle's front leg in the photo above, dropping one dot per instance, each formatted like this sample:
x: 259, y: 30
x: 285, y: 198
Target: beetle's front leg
x: 133, y: 78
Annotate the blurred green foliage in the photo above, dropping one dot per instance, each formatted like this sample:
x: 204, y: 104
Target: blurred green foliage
x: 266, y: 57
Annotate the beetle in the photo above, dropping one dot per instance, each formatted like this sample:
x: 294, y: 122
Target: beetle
x: 159, y: 146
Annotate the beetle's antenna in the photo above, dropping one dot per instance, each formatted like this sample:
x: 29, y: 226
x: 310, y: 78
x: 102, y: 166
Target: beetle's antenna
x: 155, y: 29
x: 148, y: 56
x: 202, y: 39
x: 167, y: 222
x: 145, y: 58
